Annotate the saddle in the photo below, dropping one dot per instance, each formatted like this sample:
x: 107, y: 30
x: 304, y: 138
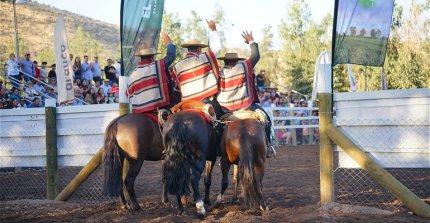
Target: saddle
x: 198, y: 106
x: 246, y: 114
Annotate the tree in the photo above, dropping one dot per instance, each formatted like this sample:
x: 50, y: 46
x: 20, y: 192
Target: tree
x: 373, y: 33
x: 362, y: 32
x: 173, y: 27
x: 194, y: 28
x: 353, y: 30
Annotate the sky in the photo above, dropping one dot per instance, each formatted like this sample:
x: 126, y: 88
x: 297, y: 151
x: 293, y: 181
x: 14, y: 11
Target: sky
x: 242, y: 14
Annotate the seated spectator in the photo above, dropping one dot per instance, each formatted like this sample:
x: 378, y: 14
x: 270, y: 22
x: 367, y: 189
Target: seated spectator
x: 36, y: 103
x: 90, y: 97
x: 2, y: 104
x: 52, y: 82
x: 15, y: 95
x: 115, y: 88
x: 105, y: 100
x: 106, y: 87
x: 37, y: 87
x: 85, y: 85
x: 283, y: 134
x: 51, y: 93
x: 79, y: 92
x: 13, y: 103
x: 4, y: 94
x: 100, y: 93
x: 99, y: 99
x: 29, y: 91
x: 22, y: 103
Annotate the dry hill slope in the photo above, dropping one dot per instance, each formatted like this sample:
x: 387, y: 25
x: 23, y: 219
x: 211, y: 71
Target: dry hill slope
x: 36, y: 24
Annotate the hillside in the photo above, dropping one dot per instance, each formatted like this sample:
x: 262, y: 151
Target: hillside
x: 36, y: 28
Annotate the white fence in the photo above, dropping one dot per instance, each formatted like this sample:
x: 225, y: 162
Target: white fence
x: 392, y: 126
x: 301, y: 123
x: 80, y: 132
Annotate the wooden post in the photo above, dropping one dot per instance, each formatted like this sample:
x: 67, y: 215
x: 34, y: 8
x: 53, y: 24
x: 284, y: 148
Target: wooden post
x: 293, y: 130
x: 379, y: 174
x: 51, y: 148
x: 80, y: 178
x: 326, y: 149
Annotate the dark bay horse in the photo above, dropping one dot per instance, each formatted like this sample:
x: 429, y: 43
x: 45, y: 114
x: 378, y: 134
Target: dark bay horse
x: 134, y: 137
x: 189, y: 140
x: 243, y: 143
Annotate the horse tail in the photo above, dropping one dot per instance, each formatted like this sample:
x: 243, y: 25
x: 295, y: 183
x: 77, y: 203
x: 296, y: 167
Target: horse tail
x: 251, y: 190
x: 112, y: 166
x: 176, y: 166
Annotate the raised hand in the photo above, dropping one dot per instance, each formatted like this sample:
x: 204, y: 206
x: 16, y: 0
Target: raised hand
x: 247, y: 36
x: 166, y: 38
x: 211, y: 25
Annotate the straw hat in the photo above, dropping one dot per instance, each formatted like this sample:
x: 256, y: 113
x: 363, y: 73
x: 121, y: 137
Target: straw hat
x: 231, y: 56
x: 193, y: 42
x: 146, y: 52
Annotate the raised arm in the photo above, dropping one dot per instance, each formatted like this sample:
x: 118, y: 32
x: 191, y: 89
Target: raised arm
x: 171, y: 50
x: 255, y: 54
x: 215, y: 42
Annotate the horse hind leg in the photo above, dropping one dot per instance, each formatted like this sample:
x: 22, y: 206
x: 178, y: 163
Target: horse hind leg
x: 259, y: 171
x: 122, y: 200
x: 130, y: 178
x: 195, y: 178
x: 236, y: 181
x: 208, y: 180
x: 225, y: 168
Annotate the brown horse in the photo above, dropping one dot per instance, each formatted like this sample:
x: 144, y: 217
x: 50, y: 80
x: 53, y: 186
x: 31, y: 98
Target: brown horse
x: 244, y: 143
x: 134, y: 137
x: 189, y: 141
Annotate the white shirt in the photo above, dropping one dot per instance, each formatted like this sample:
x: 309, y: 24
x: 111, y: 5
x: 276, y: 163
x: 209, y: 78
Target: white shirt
x: 117, y: 69
x: 12, y: 68
x: 215, y: 42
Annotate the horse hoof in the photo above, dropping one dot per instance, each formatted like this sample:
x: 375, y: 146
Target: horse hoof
x: 136, y: 209
x: 201, y: 216
x: 264, y: 208
x: 180, y: 213
x: 124, y: 207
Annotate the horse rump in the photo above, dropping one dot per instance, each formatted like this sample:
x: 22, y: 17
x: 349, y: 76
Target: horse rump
x: 112, y: 167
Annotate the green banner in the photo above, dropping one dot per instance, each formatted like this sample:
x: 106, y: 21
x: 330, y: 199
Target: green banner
x: 361, y: 31
x: 140, y: 28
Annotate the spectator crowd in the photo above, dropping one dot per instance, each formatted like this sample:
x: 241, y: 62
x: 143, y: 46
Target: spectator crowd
x: 27, y: 84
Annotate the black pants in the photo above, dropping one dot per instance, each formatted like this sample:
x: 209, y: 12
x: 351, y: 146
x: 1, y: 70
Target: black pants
x: 268, y: 127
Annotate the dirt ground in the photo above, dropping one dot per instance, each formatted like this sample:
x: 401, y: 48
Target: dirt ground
x: 291, y: 190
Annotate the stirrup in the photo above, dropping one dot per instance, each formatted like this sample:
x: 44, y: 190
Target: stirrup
x: 271, y: 151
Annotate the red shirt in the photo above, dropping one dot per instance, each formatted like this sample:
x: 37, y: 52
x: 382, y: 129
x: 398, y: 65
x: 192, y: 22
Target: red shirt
x: 37, y: 72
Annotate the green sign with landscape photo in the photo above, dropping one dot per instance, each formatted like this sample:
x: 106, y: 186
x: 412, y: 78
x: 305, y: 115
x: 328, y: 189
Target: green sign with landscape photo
x: 140, y: 28
x: 361, y: 31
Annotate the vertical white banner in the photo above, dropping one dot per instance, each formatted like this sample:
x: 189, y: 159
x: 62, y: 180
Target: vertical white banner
x: 63, y: 64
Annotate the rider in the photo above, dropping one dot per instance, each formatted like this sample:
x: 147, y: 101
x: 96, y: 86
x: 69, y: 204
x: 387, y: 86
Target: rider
x: 197, y: 74
x: 144, y: 79
x: 237, y: 88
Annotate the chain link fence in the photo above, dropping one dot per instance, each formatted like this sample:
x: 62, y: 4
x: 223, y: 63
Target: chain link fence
x: 401, y: 146
x: 23, y: 172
